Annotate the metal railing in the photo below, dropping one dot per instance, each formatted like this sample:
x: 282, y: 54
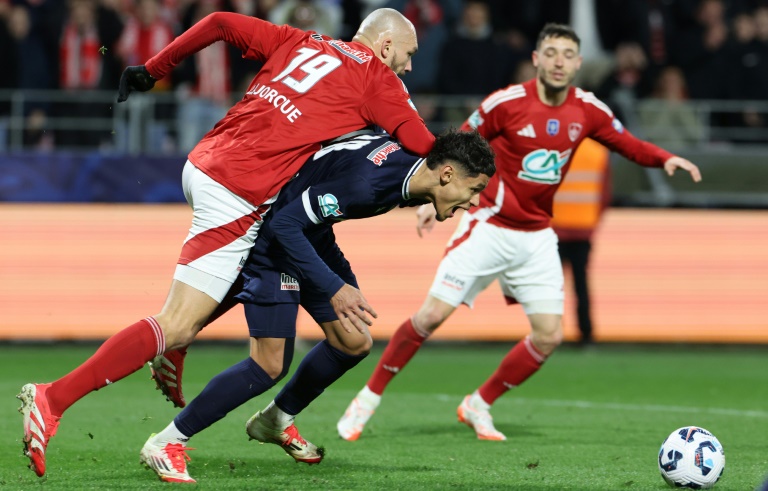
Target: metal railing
x: 726, y: 138
x: 691, y: 123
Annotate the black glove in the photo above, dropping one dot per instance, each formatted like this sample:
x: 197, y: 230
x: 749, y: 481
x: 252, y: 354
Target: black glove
x: 134, y: 78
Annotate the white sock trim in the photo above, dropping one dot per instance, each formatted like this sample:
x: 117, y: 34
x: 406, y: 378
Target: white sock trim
x: 159, y: 335
x: 171, y: 434
x: 280, y: 418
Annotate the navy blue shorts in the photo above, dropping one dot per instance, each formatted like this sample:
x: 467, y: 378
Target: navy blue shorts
x: 272, y: 298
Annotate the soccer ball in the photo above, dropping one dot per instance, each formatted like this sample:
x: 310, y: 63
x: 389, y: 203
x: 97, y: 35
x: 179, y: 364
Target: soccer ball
x: 691, y: 457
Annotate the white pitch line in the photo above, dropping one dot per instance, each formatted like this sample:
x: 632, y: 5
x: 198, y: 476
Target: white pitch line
x: 626, y: 407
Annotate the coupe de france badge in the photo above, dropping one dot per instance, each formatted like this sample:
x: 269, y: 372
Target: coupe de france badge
x: 329, y: 205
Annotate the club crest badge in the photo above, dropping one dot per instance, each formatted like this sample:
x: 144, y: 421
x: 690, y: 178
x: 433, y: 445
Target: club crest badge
x: 574, y: 130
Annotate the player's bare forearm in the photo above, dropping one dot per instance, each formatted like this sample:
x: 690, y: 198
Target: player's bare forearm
x: 352, y: 309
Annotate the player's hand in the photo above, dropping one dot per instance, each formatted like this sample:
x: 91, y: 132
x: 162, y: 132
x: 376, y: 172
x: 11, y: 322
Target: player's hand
x: 680, y: 163
x: 134, y: 78
x: 425, y: 219
x: 351, y: 307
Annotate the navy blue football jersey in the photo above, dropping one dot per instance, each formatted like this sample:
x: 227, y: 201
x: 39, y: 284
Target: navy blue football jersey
x: 361, y: 177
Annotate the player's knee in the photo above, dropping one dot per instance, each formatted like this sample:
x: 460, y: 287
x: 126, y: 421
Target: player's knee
x: 547, y: 341
x: 272, y: 366
x: 178, y: 331
x: 427, y: 320
x: 546, y: 332
x: 359, y: 345
x: 280, y: 376
x: 288, y: 350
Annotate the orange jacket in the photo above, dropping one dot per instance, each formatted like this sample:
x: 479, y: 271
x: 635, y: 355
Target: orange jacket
x: 584, y: 194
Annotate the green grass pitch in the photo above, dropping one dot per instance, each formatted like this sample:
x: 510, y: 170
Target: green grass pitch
x: 589, y: 420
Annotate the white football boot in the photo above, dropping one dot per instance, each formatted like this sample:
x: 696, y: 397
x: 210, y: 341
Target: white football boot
x: 479, y: 419
x: 359, y: 411
x: 168, y: 460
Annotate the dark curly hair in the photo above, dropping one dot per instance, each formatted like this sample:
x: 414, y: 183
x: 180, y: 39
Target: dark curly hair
x: 553, y: 30
x: 467, y: 148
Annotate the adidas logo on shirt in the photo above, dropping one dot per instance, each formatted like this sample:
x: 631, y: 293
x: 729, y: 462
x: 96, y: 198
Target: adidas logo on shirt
x: 527, y: 131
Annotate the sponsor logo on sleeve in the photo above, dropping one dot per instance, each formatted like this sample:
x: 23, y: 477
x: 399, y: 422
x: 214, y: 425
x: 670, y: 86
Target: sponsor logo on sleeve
x: 379, y: 155
x: 475, y: 119
x: 329, y: 205
x: 617, y: 125
x: 344, y: 48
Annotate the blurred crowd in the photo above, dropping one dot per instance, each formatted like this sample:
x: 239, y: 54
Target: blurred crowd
x: 666, y: 50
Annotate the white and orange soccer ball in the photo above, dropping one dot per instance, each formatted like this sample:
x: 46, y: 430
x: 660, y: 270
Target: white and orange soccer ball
x: 691, y: 457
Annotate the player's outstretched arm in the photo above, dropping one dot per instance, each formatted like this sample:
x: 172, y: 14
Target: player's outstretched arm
x: 234, y: 29
x: 351, y: 306
x: 425, y: 219
x: 675, y: 162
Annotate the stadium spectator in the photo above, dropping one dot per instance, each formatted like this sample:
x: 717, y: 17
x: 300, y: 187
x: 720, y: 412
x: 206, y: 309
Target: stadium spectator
x: 667, y: 118
x: 204, y: 82
x: 748, y: 72
x: 433, y: 20
x: 701, y: 51
x: 534, y: 128
x: 518, y: 20
x: 464, y: 68
x: 297, y: 261
x: 524, y: 71
x: 628, y: 81
x: 321, y: 16
x: 576, y: 212
x: 310, y: 90
x: 604, y: 23
x: 657, y: 24
x: 145, y: 33
x: 761, y: 23
x: 24, y: 44
x: 594, y: 53
x: 86, y: 62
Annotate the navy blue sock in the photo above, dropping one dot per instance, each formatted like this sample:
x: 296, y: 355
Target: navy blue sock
x: 322, y: 366
x: 225, y: 392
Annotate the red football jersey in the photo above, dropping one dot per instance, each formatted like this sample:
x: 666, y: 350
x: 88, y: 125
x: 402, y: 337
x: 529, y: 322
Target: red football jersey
x: 534, y: 143
x: 311, y: 89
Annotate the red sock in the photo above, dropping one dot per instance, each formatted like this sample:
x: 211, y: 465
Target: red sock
x: 401, y: 348
x: 522, y: 361
x: 120, y: 355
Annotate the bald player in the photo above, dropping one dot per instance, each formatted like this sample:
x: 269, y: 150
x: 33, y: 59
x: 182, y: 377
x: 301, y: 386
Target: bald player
x: 310, y: 90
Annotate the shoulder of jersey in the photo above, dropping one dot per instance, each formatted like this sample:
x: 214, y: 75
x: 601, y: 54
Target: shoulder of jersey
x: 358, y: 56
x: 517, y: 91
x: 381, y: 149
x: 589, y: 99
